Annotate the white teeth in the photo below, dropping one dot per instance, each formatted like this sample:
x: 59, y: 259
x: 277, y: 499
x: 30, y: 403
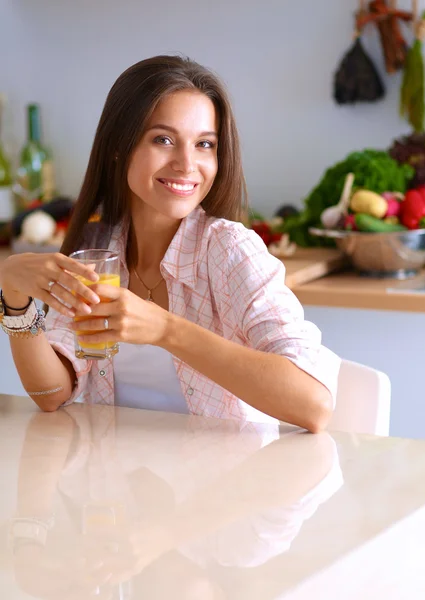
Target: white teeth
x: 186, y: 187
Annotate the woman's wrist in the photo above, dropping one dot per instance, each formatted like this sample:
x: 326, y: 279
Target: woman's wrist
x: 14, y: 302
x: 172, y: 328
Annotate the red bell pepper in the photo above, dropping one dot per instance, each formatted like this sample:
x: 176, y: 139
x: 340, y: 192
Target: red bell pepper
x: 412, y: 210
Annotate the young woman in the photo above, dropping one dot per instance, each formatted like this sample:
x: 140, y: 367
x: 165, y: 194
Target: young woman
x: 223, y: 336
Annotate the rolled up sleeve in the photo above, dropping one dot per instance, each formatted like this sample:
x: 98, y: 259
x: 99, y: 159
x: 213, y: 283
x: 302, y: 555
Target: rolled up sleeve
x: 61, y: 338
x: 268, y: 315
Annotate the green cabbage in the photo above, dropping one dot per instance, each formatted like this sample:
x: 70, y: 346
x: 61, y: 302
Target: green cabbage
x: 374, y: 170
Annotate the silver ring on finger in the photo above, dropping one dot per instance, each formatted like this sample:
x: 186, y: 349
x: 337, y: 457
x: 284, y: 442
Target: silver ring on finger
x: 106, y: 323
x: 50, y: 285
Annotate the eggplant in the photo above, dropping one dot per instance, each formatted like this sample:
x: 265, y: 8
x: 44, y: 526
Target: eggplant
x: 287, y: 210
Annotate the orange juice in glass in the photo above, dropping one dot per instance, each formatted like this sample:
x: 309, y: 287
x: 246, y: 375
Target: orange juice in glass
x: 106, y: 264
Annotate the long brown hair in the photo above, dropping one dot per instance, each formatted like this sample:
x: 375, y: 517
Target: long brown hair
x: 131, y: 101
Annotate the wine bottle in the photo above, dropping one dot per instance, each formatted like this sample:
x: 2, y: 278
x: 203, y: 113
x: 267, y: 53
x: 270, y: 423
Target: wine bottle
x: 35, y: 176
x: 6, y: 196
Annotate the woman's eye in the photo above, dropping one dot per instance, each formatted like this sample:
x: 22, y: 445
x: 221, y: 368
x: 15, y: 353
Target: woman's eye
x: 206, y: 144
x: 162, y: 139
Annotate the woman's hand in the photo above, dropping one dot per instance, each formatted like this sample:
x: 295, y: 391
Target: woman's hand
x: 129, y: 319
x: 29, y: 274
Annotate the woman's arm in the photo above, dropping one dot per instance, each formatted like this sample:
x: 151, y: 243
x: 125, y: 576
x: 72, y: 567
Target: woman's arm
x: 39, y: 367
x: 268, y: 382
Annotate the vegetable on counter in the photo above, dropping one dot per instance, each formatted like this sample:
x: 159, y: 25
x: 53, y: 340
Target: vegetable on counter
x: 333, y: 215
x: 410, y: 150
x: 370, y: 203
x: 374, y: 170
x: 393, y: 203
x: 350, y: 223
x: 412, y: 213
x: 38, y: 227
x: 371, y: 224
x: 59, y: 208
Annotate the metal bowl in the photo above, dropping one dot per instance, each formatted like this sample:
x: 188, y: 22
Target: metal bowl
x: 398, y: 254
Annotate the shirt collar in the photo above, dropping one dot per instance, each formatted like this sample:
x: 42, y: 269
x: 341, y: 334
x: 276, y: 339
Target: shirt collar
x: 182, y: 256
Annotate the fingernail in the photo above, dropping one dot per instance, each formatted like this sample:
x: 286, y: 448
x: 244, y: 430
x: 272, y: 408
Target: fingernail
x: 87, y: 309
x: 95, y: 299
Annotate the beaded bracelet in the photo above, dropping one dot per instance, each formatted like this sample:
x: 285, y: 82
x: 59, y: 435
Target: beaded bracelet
x: 37, y: 326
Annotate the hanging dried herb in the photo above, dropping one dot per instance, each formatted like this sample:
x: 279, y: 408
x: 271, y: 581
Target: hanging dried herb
x: 357, y: 79
x: 412, y: 103
x: 386, y: 18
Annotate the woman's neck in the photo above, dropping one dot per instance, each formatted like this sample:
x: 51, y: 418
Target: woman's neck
x: 152, y: 234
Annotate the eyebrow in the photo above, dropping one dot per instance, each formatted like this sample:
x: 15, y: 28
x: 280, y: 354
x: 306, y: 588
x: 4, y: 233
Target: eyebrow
x: 173, y: 130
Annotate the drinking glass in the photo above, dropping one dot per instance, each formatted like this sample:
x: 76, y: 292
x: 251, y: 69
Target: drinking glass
x: 106, y: 264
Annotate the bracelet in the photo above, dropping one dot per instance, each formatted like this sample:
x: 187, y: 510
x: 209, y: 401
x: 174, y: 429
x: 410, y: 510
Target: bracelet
x: 29, y: 530
x: 11, y: 307
x: 23, y: 321
x: 46, y: 392
x: 37, y: 325
x: 46, y: 522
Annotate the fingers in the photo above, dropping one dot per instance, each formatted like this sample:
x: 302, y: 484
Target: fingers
x: 69, y: 289
x: 100, y: 334
x: 106, y: 291
x: 56, y: 304
x: 58, y: 292
x: 73, y: 266
x: 97, y: 324
x: 111, y: 294
x: 78, y: 287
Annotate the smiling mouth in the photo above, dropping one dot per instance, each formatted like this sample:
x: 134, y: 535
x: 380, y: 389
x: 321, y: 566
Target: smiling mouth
x: 181, y: 187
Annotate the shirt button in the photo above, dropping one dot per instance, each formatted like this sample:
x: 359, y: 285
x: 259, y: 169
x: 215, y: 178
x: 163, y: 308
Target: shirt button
x: 102, y: 372
x: 190, y: 392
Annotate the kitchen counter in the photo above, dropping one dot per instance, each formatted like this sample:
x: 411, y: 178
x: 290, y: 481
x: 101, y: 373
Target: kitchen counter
x: 130, y: 504
x: 346, y: 289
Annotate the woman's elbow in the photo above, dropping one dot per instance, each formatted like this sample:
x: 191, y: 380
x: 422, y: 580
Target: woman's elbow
x: 320, y: 414
x: 49, y: 405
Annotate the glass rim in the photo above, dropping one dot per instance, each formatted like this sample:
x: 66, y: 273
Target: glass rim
x: 112, y: 255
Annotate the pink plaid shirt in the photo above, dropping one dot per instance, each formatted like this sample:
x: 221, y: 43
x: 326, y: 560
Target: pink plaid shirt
x: 220, y: 276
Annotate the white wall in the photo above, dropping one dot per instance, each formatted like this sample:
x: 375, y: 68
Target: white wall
x: 277, y: 58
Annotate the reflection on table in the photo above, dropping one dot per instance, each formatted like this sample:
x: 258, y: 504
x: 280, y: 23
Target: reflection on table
x: 123, y: 504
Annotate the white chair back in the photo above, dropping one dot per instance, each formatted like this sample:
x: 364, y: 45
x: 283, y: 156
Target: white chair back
x: 363, y: 400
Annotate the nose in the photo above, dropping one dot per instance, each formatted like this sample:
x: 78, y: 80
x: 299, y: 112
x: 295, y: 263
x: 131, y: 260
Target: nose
x: 184, y: 160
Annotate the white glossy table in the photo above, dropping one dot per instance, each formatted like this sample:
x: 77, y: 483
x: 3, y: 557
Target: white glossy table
x: 122, y: 504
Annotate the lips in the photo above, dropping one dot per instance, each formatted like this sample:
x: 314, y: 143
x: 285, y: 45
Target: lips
x: 179, y: 187
x: 182, y: 185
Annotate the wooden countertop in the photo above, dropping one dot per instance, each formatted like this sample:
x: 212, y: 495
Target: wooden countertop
x: 160, y: 500
x: 349, y: 290
x: 344, y: 289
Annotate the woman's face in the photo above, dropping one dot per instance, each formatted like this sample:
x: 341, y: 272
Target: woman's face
x: 174, y: 165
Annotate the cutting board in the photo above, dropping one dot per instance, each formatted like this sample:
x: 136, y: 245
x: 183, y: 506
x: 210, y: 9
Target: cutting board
x: 308, y: 264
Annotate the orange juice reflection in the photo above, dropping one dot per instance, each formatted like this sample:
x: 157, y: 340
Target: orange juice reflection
x: 109, y: 279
